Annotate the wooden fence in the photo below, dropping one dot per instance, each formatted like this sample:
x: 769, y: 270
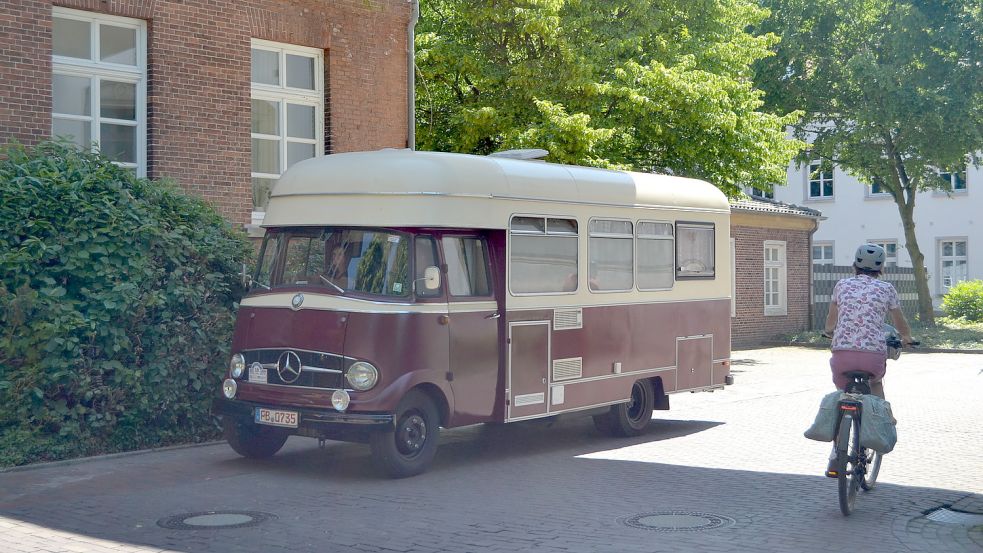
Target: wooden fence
x: 824, y: 277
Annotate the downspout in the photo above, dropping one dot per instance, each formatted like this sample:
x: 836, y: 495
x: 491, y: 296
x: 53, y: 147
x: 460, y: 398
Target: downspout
x: 411, y: 75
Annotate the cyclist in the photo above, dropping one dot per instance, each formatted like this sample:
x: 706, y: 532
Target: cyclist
x: 855, y: 322
x: 856, y: 318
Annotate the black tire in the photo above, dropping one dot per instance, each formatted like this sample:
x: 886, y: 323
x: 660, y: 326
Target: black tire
x: 251, y: 440
x: 873, y: 468
x: 408, y: 449
x: 847, y: 453
x: 631, y: 418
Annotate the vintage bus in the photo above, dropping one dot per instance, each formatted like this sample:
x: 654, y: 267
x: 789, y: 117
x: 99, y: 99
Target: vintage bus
x: 397, y: 292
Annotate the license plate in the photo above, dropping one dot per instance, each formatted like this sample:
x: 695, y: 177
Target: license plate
x: 274, y: 417
x: 257, y: 374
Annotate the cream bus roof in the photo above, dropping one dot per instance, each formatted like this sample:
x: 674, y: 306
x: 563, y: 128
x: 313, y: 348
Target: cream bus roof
x: 420, y: 179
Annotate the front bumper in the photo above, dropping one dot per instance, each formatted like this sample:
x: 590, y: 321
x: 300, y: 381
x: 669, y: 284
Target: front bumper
x: 309, y: 418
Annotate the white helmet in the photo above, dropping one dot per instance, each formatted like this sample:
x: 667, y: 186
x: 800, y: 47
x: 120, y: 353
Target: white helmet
x: 869, y: 257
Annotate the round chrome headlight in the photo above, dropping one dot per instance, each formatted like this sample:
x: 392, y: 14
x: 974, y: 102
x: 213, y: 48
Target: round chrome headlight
x: 340, y: 400
x: 229, y: 388
x: 237, y: 365
x: 362, y: 376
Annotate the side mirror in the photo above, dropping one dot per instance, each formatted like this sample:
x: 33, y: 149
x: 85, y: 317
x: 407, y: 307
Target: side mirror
x: 431, y: 278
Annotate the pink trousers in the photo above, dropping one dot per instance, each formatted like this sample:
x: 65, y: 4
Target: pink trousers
x: 844, y: 361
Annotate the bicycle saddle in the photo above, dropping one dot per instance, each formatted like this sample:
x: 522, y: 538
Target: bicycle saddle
x: 857, y: 374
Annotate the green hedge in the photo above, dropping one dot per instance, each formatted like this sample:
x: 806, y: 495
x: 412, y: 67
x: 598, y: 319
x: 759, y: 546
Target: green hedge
x: 117, y: 299
x: 965, y: 301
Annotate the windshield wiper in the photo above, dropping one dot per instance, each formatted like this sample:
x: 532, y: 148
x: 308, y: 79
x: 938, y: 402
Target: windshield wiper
x: 335, y: 286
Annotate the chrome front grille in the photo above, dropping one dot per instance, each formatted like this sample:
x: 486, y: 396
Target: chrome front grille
x: 318, y: 369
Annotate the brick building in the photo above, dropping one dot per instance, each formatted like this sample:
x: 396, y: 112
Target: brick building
x: 220, y: 95
x: 771, y: 244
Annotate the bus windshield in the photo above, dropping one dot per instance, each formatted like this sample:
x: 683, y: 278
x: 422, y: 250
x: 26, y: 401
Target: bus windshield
x: 362, y: 260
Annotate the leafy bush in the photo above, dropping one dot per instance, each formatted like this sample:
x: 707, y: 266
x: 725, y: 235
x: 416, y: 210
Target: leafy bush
x: 117, y: 298
x: 965, y: 301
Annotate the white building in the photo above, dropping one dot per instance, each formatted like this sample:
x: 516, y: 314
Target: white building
x: 949, y: 227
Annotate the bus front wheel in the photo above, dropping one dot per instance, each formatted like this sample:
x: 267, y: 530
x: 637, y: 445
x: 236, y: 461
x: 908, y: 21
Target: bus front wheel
x: 408, y: 448
x: 630, y: 418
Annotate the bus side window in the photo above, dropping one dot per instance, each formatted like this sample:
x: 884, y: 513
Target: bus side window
x: 425, y: 256
x: 467, y: 266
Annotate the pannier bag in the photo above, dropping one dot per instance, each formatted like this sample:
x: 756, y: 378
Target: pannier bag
x: 823, y: 429
x: 878, y: 428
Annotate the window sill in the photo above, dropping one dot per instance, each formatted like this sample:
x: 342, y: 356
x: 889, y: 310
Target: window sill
x: 820, y: 200
x: 776, y: 312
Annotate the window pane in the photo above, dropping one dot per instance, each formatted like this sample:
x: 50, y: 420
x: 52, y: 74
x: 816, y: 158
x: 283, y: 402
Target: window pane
x: 266, y: 156
x: 261, y: 193
x: 71, y: 38
x: 605, y: 226
x: 118, y: 44
x: 265, y: 67
x: 947, y: 249
x: 266, y: 117
x: 543, y: 264
x: 118, y: 142
x: 561, y: 226
x: 300, y: 72
x: 646, y: 229
x: 298, y: 152
x: 695, y: 250
x: 961, y: 249
x: 610, y: 264
x: 426, y: 256
x: 467, y: 267
x: 71, y: 95
x: 118, y: 100
x: 814, y: 189
x: 78, y: 132
x: 655, y: 264
x: 959, y: 181
x: 300, y: 121
x: 528, y: 224
x: 381, y: 264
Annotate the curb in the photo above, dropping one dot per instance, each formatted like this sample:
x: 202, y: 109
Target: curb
x: 81, y: 460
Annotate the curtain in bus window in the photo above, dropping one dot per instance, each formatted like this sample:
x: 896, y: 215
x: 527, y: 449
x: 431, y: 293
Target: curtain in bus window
x: 467, y: 270
x: 543, y: 264
x: 694, y: 245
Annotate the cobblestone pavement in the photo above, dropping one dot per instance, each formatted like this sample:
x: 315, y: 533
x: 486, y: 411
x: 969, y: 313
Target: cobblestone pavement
x: 736, y: 454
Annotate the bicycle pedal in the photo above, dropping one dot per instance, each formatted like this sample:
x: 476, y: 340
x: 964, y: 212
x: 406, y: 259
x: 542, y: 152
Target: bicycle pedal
x: 832, y: 474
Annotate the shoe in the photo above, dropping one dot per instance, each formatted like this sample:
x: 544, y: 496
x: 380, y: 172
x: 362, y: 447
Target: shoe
x: 831, y: 469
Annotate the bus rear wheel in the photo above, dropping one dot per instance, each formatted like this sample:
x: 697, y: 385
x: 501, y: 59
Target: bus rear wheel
x: 410, y: 446
x: 630, y: 418
x: 253, y: 440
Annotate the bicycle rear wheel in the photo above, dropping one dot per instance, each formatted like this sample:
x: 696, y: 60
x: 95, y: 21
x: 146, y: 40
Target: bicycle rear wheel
x: 873, y: 467
x: 847, y: 454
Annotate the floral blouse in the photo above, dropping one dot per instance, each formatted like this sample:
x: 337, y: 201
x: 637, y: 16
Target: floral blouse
x: 863, y: 303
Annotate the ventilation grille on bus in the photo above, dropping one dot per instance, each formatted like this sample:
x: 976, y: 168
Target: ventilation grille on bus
x: 566, y: 369
x: 566, y: 319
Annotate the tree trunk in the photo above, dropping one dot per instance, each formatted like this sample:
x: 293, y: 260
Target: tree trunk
x: 926, y: 312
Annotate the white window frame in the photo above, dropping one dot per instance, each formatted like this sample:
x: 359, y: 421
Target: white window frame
x: 824, y: 261
x: 940, y: 243
x: 953, y: 178
x: 282, y: 95
x: 96, y: 71
x: 781, y: 282
x: 871, y: 194
x: 822, y: 179
x: 889, y: 260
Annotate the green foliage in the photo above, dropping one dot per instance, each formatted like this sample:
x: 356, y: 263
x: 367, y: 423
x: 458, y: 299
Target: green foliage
x: 965, y: 301
x: 117, y: 299
x: 637, y: 84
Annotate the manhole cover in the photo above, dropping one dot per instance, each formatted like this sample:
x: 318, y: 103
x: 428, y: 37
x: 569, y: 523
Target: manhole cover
x: 214, y: 519
x: 678, y: 521
x: 944, y: 515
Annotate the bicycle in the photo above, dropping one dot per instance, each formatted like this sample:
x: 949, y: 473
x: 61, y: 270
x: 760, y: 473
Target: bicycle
x: 857, y: 467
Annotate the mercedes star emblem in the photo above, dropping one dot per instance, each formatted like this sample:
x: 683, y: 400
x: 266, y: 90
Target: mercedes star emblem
x: 288, y: 367
x: 297, y: 301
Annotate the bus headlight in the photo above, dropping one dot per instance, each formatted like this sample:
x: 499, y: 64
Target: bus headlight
x: 362, y: 376
x: 229, y: 388
x: 340, y: 400
x: 237, y: 365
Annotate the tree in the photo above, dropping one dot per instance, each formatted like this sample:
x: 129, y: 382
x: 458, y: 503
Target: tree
x: 892, y: 91
x: 647, y: 85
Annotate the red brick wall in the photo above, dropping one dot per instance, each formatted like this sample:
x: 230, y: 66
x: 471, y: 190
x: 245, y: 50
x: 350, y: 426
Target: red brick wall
x: 751, y: 326
x: 198, y: 87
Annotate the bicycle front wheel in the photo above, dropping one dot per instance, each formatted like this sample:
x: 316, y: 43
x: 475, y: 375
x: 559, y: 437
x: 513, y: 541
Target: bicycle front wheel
x: 847, y: 455
x: 873, y: 467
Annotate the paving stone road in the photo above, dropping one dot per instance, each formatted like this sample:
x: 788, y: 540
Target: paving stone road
x: 736, y: 456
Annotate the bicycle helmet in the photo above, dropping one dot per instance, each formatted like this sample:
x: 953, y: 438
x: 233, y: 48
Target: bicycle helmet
x: 869, y: 257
